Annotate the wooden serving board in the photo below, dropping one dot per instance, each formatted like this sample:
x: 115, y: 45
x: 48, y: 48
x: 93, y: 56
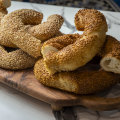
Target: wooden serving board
x: 25, y: 82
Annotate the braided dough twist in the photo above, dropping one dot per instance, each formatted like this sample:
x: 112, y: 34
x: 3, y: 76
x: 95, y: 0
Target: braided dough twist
x: 24, y: 36
x: 111, y: 55
x: 83, y: 49
x: 81, y: 81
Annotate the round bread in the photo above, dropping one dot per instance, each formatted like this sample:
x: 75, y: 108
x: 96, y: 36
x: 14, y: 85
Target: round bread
x: 14, y: 26
x: 111, y: 55
x: 81, y: 81
x: 43, y: 31
x: 59, y: 42
x: 47, y: 29
x: 3, y: 12
x: 4, y: 38
x: 84, y: 47
x: 5, y: 3
x: 15, y: 60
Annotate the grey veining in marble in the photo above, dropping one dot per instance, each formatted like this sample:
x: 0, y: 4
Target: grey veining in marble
x: 111, y: 19
x: 67, y: 23
x: 35, y: 7
x: 15, y: 105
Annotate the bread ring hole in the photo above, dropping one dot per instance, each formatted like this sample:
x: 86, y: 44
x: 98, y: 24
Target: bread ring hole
x: 107, y: 62
x: 94, y: 64
x: 8, y: 49
x: 95, y: 60
x: 111, y: 64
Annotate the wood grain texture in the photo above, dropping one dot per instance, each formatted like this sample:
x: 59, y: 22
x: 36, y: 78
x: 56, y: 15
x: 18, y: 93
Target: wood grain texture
x: 25, y: 82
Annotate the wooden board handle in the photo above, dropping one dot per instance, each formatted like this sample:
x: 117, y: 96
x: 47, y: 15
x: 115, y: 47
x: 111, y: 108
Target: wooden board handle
x: 101, y: 103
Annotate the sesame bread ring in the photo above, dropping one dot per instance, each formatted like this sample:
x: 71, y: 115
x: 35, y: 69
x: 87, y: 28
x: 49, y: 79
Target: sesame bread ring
x: 47, y: 29
x: 31, y: 45
x: 81, y: 81
x: 111, y: 55
x: 59, y: 33
x: 5, y: 3
x: 4, y: 38
x: 83, y: 49
x: 3, y: 12
x: 14, y: 25
x: 60, y: 42
x: 43, y: 31
x: 5, y: 41
x: 15, y: 60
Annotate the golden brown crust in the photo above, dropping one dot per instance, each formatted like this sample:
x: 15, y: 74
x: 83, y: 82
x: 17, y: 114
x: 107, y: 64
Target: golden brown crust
x: 81, y: 81
x: 111, y: 55
x: 111, y: 46
x: 15, y: 60
x: 47, y: 29
x: 4, y: 40
x: 5, y: 3
x: 14, y: 26
x: 82, y: 50
x: 59, y: 33
x: 3, y: 11
x: 63, y: 40
x: 36, y: 31
x: 89, y: 20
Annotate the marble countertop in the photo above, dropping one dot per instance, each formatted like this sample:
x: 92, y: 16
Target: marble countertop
x: 17, y: 106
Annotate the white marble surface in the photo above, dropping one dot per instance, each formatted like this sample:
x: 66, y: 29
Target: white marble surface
x: 17, y: 106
